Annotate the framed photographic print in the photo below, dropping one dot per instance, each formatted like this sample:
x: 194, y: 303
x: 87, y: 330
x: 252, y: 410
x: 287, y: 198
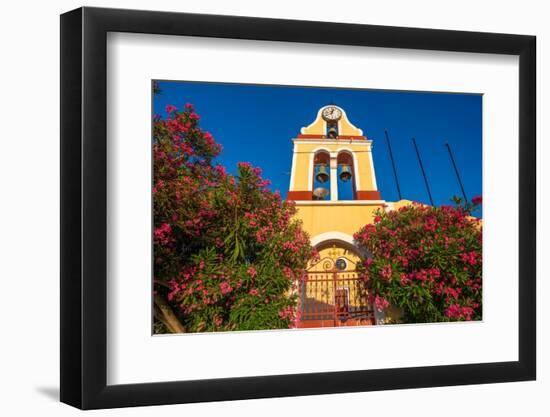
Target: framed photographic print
x: 257, y: 208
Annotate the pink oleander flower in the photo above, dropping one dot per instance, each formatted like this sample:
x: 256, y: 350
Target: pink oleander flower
x: 469, y: 258
x: 430, y: 224
x: 287, y: 271
x: 456, y: 311
x: 477, y: 200
x: 252, y: 271
x: 381, y: 303
x: 170, y: 108
x: 286, y: 313
x: 264, y: 183
x: 225, y: 288
x: 162, y: 234
x: 453, y: 311
x: 220, y: 169
x: 245, y: 165
x: 386, y: 272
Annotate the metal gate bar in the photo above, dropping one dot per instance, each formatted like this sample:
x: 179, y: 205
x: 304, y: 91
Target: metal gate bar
x: 336, y: 296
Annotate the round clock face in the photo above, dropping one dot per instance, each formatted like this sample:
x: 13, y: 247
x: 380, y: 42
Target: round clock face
x: 331, y: 113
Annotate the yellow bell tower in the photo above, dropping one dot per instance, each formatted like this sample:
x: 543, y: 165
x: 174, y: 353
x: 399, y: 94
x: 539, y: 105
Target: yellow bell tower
x: 333, y: 180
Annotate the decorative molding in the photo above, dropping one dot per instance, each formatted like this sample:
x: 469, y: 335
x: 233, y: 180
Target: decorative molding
x: 333, y: 179
x: 293, y: 169
x: 309, y: 137
x: 372, y: 170
x: 331, y: 236
x: 357, y: 142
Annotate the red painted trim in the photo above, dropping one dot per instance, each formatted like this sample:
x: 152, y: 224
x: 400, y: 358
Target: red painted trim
x: 347, y: 137
x: 311, y: 136
x: 299, y: 195
x: 367, y: 195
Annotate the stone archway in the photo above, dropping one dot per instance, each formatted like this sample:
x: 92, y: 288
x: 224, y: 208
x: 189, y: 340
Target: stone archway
x: 333, y: 294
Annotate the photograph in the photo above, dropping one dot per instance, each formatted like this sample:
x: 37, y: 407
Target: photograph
x: 248, y: 208
x: 299, y: 207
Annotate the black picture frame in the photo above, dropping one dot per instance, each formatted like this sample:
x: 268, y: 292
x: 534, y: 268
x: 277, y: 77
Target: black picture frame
x: 84, y: 207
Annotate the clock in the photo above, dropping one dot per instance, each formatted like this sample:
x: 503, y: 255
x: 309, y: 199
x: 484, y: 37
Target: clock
x: 331, y: 113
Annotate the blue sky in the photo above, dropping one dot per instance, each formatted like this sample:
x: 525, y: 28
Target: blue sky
x: 256, y: 123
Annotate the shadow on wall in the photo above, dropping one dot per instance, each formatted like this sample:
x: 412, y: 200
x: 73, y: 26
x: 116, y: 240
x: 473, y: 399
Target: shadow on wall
x: 49, y: 392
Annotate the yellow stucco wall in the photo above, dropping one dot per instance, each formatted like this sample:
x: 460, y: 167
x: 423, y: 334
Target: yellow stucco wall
x: 347, y: 129
x: 318, y: 127
x: 398, y: 204
x: 364, y: 162
x: 344, y: 218
x: 302, y: 180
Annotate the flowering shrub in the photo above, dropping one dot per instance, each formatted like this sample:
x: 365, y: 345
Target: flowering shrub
x: 425, y: 260
x: 227, y: 251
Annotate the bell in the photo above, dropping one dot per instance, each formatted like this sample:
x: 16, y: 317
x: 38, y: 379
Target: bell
x: 332, y: 133
x: 320, y: 193
x: 345, y: 173
x: 322, y: 174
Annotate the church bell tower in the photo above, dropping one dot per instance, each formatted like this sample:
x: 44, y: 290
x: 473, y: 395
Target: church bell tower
x: 332, y: 161
x: 333, y: 181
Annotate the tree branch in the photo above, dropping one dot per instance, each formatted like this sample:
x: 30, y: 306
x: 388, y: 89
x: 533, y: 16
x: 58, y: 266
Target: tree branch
x: 167, y: 316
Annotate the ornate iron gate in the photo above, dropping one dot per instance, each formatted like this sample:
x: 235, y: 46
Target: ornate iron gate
x: 334, y: 298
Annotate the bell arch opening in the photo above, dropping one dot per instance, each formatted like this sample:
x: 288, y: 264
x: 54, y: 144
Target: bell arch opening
x: 321, y: 176
x: 346, y: 176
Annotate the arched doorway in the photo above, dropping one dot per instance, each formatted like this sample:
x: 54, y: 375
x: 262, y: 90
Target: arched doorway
x: 333, y: 294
